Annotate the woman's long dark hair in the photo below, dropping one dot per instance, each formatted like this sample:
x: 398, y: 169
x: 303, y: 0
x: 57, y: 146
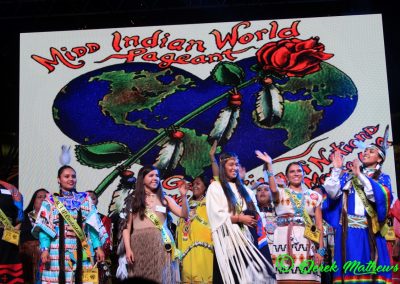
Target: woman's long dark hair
x: 230, y: 196
x: 61, y: 240
x: 139, y: 200
x: 31, y: 204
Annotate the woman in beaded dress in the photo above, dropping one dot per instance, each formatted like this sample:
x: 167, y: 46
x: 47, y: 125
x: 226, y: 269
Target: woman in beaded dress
x: 291, y: 203
x: 64, y: 256
x: 194, y: 238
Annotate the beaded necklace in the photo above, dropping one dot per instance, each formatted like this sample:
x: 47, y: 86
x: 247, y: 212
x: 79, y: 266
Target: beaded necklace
x: 297, y: 201
x: 193, y: 204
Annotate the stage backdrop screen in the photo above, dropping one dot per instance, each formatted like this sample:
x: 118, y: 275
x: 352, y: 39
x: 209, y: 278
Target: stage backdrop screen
x: 107, y: 101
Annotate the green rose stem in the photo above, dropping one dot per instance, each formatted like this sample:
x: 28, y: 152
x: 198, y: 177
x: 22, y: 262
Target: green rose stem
x: 113, y: 175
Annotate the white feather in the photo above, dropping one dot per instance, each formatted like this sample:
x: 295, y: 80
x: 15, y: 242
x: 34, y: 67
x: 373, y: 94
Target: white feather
x: 65, y: 157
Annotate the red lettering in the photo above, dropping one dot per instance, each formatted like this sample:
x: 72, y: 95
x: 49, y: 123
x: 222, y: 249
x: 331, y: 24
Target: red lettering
x: 176, y: 44
x: 362, y: 136
x: 201, y: 59
x: 246, y: 38
x: 230, y: 38
x: 314, y: 180
x: 260, y: 34
x: 318, y: 161
x: 348, y: 148
x: 133, y: 39
x: 371, y: 129
x: 352, y: 144
x: 164, y: 40
x: 367, y: 133
x: 56, y: 57
x: 337, y: 148
x: 151, y: 41
x: 289, y: 32
x: 69, y: 56
x: 79, y: 51
x: 183, y: 59
x: 305, y: 168
x: 199, y: 45
x: 172, y: 182
x: 116, y: 40
x: 93, y: 47
x: 274, y: 29
x: 151, y: 56
x: 228, y: 54
x: 215, y: 57
x: 261, y: 179
x: 379, y: 141
x: 166, y: 60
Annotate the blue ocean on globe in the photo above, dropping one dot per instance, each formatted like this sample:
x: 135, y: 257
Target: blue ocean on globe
x: 78, y: 113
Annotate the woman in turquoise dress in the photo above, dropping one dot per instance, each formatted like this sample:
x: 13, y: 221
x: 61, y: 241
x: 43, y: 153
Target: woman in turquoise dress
x: 67, y: 252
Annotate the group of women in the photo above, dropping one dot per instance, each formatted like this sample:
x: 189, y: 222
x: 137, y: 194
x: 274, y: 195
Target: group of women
x: 221, y: 236
x: 238, y: 242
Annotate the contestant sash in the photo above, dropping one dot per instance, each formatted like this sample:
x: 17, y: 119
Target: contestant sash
x: 10, y: 234
x: 368, y: 207
x: 75, y: 226
x: 168, y: 242
x: 311, y: 232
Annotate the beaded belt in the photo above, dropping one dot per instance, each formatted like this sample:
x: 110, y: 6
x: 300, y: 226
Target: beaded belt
x: 358, y: 222
x: 284, y: 221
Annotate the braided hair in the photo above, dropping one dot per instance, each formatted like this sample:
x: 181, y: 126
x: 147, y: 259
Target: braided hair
x: 61, y: 248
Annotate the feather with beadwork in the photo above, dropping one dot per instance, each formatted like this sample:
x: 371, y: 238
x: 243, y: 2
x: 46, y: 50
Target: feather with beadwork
x: 170, y: 155
x: 385, y: 143
x: 225, y: 125
x: 269, y: 106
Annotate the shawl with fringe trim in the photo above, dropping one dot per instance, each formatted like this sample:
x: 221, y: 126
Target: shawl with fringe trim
x: 236, y: 255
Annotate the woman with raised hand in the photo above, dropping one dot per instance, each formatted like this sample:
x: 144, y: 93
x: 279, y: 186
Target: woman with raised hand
x: 69, y: 231
x: 229, y: 204
x: 150, y: 249
x: 299, y: 215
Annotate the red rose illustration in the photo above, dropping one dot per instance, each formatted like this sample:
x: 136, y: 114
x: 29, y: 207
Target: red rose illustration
x: 292, y: 57
x: 43, y: 214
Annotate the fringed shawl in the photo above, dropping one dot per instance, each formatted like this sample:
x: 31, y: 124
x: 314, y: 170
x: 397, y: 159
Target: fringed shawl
x: 236, y: 255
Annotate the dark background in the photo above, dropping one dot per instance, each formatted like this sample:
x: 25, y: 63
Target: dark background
x: 19, y: 16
